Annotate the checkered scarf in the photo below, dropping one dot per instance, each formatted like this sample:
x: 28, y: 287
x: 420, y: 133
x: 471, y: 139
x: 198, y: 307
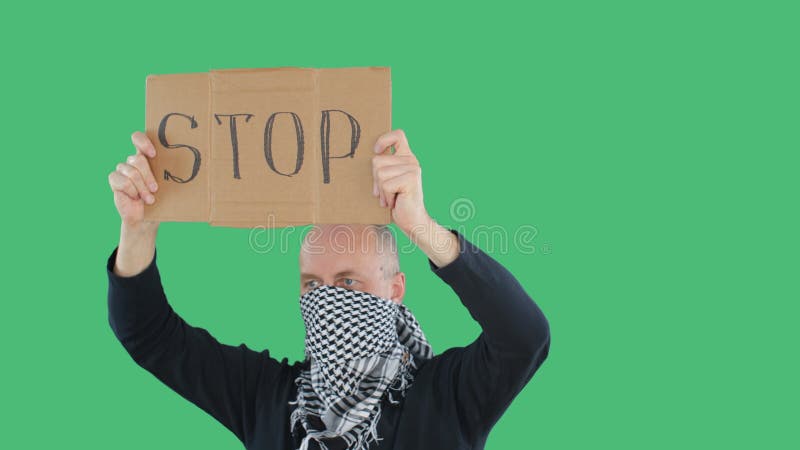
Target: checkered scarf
x: 361, y: 348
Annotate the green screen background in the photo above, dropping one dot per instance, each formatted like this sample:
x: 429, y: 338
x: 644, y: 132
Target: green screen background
x: 653, y: 146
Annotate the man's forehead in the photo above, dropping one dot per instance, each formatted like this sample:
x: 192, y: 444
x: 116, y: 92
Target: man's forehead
x: 362, y: 249
x: 351, y: 265
x: 338, y: 257
x: 339, y: 239
x: 338, y: 248
x: 340, y: 230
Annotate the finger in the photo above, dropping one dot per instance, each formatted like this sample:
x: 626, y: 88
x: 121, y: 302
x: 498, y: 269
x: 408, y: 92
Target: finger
x: 123, y: 184
x: 389, y: 160
x: 143, y: 144
x: 379, y: 161
x: 375, y: 192
x: 386, y: 172
x: 140, y: 162
x: 375, y: 189
x: 396, y: 138
x: 135, y: 176
x: 400, y: 184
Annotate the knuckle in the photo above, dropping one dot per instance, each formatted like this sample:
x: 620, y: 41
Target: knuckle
x: 127, y: 172
x: 135, y: 176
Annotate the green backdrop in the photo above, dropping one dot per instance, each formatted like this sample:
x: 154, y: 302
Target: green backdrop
x: 652, y: 146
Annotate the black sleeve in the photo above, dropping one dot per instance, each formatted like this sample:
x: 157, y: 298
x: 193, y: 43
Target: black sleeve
x: 220, y: 379
x: 485, y: 376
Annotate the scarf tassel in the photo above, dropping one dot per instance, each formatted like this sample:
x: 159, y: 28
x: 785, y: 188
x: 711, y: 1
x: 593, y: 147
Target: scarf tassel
x: 363, y: 440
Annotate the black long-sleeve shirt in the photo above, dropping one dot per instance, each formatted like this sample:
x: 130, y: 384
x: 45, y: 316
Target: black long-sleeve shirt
x: 455, y: 400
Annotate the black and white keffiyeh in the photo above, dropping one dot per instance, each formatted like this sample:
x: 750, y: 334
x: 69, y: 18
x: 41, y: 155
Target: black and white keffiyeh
x: 361, y: 347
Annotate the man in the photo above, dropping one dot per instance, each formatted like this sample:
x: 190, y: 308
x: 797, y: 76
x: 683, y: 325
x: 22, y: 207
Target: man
x: 370, y: 378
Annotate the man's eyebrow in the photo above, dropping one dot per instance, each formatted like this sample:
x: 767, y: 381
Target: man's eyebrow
x: 348, y: 272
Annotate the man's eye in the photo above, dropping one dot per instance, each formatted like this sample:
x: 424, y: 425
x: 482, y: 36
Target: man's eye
x: 311, y: 284
x: 349, y: 281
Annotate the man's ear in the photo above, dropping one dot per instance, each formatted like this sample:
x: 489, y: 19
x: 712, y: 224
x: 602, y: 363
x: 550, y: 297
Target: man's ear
x: 398, y: 287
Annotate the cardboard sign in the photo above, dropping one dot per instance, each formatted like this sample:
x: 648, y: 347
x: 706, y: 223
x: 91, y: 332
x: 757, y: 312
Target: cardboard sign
x: 267, y: 147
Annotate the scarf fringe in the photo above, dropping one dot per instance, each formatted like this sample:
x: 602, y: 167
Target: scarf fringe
x: 406, y: 378
x: 363, y: 440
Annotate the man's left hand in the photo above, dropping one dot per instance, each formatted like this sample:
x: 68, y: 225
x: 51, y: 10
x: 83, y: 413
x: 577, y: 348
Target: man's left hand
x: 397, y: 182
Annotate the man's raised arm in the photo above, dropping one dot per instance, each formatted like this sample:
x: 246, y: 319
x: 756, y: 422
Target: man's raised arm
x: 222, y: 380
x: 485, y: 376
x: 478, y: 381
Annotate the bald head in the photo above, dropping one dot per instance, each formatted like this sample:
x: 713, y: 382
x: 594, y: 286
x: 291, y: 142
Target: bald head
x: 361, y: 257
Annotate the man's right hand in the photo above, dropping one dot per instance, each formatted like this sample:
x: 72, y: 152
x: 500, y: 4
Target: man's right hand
x: 133, y: 184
